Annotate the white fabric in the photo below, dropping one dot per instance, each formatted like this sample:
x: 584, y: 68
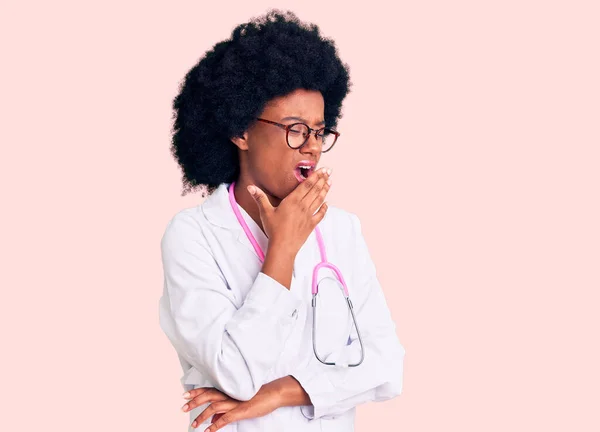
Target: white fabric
x: 235, y: 328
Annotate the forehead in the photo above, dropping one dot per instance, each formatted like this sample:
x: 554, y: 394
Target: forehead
x: 302, y: 103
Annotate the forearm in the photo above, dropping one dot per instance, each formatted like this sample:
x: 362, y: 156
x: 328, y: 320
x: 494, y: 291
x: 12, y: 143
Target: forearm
x: 334, y: 390
x: 289, y: 392
x: 279, y: 263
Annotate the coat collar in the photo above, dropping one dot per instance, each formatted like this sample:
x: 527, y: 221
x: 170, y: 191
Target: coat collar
x: 217, y: 210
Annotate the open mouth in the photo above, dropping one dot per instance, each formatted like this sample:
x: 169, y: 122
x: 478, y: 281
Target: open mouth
x: 303, y: 171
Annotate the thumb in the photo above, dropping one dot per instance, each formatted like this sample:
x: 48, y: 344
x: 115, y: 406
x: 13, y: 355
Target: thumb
x: 264, y: 205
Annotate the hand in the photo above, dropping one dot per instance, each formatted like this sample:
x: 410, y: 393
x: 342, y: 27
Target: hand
x: 204, y: 395
x: 294, y: 219
x: 228, y: 410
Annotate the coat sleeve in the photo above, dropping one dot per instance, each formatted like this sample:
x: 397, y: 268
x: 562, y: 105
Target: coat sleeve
x: 234, y: 346
x: 333, y: 389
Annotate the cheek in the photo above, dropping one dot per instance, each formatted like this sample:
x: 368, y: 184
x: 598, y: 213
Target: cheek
x: 266, y: 147
x: 272, y: 157
x: 272, y: 163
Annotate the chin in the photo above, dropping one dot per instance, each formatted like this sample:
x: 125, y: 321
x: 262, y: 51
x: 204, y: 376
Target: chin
x: 285, y: 188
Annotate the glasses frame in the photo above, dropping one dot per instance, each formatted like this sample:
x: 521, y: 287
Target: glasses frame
x: 311, y: 131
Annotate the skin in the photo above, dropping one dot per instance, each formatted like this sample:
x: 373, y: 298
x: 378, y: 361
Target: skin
x: 282, y: 392
x: 282, y: 206
x: 286, y: 211
x: 266, y: 160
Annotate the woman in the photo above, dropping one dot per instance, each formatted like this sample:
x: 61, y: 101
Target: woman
x: 252, y: 120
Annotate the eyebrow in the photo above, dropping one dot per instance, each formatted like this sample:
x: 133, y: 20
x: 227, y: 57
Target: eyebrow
x: 322, y: 122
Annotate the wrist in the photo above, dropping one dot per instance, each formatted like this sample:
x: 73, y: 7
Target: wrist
x: 282, y: 249
x: 290, y: 392
x: 279, y: 264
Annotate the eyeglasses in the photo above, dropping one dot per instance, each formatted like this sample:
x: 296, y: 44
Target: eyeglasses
x: 297, y: 134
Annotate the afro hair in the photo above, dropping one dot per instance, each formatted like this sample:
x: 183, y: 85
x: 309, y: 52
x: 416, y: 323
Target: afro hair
x: 227, y: 89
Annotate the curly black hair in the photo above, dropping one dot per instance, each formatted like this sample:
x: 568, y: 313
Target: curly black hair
x: 226, y: 90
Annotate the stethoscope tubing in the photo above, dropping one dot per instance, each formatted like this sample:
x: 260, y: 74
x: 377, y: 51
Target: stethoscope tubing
x: 314, y: 288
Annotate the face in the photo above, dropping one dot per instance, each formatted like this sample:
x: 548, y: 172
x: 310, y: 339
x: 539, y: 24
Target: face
x: 266, y: 160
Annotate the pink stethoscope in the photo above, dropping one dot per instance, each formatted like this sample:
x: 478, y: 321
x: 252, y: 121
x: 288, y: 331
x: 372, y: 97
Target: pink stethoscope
x: 315, y: 287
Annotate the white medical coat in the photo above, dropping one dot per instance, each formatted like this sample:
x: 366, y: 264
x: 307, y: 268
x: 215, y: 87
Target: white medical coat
x: 235, y: 328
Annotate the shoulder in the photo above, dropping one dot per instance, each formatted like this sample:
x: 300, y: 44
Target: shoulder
x: 184, y: 226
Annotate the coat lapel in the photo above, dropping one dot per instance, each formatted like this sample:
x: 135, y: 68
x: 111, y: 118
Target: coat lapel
x: 217, y: 210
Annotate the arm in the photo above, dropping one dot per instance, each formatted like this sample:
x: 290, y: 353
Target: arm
x: 333, y: 390
x: 234, y: 344
x: 291, y: 392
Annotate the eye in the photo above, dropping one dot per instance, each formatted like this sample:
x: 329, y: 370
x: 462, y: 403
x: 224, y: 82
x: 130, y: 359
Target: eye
x: 298, y: 129
x: 323, y: 134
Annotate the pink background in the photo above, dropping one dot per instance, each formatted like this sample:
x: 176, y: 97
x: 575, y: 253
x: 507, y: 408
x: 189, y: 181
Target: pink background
x: 470, y: 152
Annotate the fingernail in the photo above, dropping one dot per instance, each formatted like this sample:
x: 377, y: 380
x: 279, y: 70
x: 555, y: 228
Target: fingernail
x: 184, y: 408
x: 251, y: 189
x: 329, y: 182
x: 194, y: 424
x: 186, y: 395
x: 329, y: 171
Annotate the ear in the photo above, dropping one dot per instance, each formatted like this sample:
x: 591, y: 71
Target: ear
x: 241, y: 141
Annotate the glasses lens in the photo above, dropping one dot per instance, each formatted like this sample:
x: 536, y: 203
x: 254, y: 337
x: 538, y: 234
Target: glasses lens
x: 328, y: 139
x: 297, y: 135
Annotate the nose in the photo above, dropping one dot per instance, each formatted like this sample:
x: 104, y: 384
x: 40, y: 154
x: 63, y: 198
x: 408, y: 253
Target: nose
x: 312, y: 145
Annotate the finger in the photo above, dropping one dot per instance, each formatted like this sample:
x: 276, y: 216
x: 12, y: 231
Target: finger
x: 211, y: 395
x: 318, y: 217
x: 307, y: 185
x: 234, y: 415
x: 195, y: 392
x: 320, y: 198
x: 264, y: 205
x: 214, y: 408
x: 314, y: 192
x: 216, y: 417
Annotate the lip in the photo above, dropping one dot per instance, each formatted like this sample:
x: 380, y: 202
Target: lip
x: 311, y: 164
x: 306, y: 163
